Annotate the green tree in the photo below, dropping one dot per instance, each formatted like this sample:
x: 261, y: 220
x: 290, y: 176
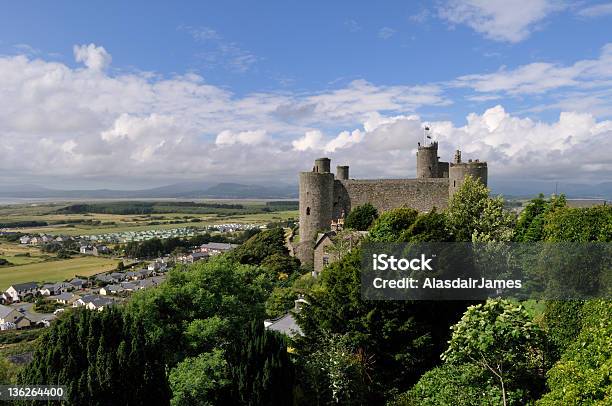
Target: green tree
x: 579, y: 224
x: 260, y: 369
x: 428, y: 227
x: 334, y: 373
x: 473, y: 216
x: 530, y: 223
x: 582, y: 376
x: 202, y: 380
x: 8, y: 371
x: 403, y: 338
x: 390, y: 224
x: 260, y: 246
x: 500, y: 337
x: 456, y: 384
x: 79, y: 350
x: 361, y: 217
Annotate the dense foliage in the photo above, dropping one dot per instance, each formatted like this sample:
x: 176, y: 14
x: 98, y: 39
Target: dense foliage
x: 500, y: 337
x: 361, y: 217
x: 583, y: 375
x: 99, y: 356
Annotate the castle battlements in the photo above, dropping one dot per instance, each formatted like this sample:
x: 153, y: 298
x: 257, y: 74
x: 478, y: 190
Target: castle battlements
x: 325, y: 197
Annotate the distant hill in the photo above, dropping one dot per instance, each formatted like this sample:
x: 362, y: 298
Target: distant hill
x: 239, y: 191
x: 227, y: 190
x: 179, y: 190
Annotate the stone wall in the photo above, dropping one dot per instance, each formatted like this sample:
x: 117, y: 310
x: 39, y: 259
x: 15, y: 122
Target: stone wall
x: 386, y: 194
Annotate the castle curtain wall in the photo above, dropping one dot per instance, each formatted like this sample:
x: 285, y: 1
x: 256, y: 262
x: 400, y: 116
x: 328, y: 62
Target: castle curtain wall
x: 387, y: 194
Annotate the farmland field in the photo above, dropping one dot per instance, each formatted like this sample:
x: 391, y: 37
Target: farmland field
x: 54, y: 271
x: 61, y: 218
x: 18, y: 254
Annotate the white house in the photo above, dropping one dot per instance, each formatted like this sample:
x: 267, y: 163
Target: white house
x: 93, y: 302
x: 25, y: 239
x: 65, y: 298
x: 111, y: 290
x: 86, y: 249
x: 19, y: 290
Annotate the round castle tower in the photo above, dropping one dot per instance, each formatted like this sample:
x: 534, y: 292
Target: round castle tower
x: 427, y: 161
x: 458, y: 171
x: 316, y: 190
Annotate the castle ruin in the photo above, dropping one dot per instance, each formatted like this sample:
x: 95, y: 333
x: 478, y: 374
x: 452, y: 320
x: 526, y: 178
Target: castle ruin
x: 325, y: 198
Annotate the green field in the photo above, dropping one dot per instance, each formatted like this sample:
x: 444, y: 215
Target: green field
x: 71, y: 223
x: 54, y: 271
x: 18, y: 254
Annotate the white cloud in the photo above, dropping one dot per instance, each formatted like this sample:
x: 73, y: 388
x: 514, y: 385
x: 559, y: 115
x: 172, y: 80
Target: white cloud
x: 310, y: 140
x: 386, y: 33
x: 575, y: 147
x: 62, y: 124
x: 597, y: 10
x: 540, y: 77
x: 92, y: 56
x: 499, y: 20
x: 244, y: 137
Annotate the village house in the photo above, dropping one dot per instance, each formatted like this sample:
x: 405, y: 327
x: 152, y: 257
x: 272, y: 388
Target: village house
x: 51, y: 289
x: 286, y: 324
x: 19, y: 291
x: 100, y: 250
x: 86, y: 249
x: 324, y: 256
x: 216, y: 248
x: 111, y: 290
x: 11, y: 319
x: 129, y: 286
x: 66, y: 298
x: 93, y: 302
x: 78, y: 284
x: 25, y: 239
x: 106, y: 278
x: 193, y: 257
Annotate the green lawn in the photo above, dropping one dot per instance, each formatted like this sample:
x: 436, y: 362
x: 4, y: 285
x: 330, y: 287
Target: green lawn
x: 54, y: 271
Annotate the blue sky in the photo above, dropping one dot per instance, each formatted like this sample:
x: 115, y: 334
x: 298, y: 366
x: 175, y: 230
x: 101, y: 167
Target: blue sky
x: 293, y: 80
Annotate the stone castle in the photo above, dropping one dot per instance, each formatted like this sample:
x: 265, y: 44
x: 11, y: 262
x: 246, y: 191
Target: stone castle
x: 325, y: 198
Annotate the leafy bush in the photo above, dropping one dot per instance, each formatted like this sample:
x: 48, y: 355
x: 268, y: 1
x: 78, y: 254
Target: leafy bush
x: 456, y: 384
x: 500, y: 337
x: 582, y: 376
x: 390, y: 224
x: 361, y: 217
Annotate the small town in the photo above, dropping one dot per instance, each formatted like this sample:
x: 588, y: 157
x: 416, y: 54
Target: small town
x: 24, y: 305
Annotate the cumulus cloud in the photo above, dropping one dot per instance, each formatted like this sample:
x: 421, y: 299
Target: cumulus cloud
x: 499, y: 20
x: 61, y: 124
x: 311, y: 140
x: 573, y: 147
x: 244, y: 137
x: 94, y: 57
x: 540, y: 77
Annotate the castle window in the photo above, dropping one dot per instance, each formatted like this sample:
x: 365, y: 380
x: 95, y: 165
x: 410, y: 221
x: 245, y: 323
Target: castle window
x: 454, y: 183
x: 308, y: 211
